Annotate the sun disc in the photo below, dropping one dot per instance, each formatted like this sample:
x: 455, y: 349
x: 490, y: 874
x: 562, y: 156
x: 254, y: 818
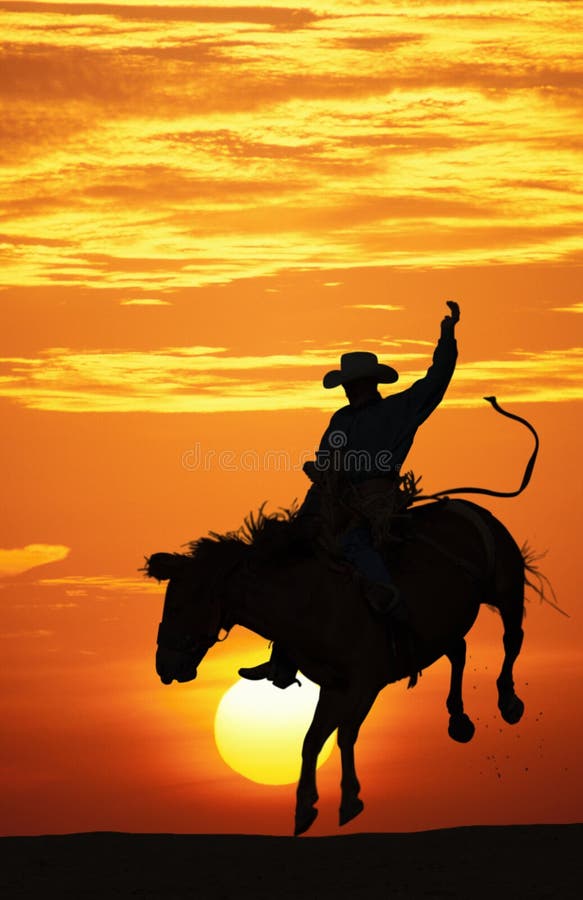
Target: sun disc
x: 259, y: 729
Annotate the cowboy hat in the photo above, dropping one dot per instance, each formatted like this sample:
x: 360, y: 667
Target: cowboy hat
x: 359, y: 365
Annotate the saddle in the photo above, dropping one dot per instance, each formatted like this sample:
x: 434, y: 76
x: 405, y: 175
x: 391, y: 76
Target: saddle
x: 379, y: 502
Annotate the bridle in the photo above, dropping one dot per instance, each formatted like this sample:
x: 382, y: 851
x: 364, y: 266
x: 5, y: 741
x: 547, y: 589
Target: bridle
x: 171, y: 637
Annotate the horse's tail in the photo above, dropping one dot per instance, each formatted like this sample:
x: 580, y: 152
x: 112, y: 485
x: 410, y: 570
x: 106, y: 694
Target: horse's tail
x: 475, y: 490
x: 538, y: 582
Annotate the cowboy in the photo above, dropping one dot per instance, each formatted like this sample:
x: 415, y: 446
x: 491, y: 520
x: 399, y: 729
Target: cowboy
x: 366, y: 444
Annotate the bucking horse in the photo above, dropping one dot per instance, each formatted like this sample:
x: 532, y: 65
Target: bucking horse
x: 451, y: 555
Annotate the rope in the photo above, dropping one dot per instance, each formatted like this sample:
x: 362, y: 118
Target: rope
x: 474, y: 490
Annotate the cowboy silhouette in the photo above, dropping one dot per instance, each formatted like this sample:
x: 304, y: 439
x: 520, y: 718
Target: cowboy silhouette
x: 361, y: 454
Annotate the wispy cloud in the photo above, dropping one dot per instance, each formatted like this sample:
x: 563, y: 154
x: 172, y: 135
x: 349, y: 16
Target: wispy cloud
x: 574, y: 308
x: 145, y: 301
x: 80, y: 584
x: 386, y: 307
x: 21, y: 559
x: 207, y: 379
x: 27, y: 633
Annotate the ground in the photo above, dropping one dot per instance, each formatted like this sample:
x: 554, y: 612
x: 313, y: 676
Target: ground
x: 525, y: 862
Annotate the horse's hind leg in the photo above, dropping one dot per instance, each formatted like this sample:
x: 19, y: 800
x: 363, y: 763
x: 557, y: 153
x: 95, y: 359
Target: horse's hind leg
x: 510, y: 601
x: 326, y: 718
x: 460, y: 728
x: 510, y: 705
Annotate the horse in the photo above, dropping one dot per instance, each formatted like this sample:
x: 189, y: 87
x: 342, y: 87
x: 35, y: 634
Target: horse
x: 451, y: 557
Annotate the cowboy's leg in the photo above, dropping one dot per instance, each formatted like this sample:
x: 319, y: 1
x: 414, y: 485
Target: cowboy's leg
x: 359, y: 550
x: 307, y: 520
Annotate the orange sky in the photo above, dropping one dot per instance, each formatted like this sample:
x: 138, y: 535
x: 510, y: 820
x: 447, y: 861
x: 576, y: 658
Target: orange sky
x: 203, y: 206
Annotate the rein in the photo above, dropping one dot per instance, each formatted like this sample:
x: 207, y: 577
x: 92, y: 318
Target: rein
x: 475, y: 490
x: 225, y: 614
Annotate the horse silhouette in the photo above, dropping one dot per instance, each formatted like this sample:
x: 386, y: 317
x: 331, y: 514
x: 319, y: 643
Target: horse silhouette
x: 450, y: 557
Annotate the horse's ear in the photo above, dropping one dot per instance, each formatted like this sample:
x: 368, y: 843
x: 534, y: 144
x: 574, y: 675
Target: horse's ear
x: 163, y: 566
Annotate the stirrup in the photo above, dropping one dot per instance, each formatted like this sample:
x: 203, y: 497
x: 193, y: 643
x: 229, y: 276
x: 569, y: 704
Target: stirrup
x: 284, y: 680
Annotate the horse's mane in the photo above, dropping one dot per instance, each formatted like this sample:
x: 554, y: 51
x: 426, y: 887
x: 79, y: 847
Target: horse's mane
x: 278, y: 535
x: 261, y: 536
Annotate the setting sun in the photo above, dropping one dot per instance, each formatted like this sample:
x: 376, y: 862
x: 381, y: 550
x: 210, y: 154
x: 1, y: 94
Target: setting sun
x: 259, y: 730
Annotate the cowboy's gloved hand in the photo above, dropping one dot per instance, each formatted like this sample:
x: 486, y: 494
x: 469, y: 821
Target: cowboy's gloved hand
x: 448, y: 323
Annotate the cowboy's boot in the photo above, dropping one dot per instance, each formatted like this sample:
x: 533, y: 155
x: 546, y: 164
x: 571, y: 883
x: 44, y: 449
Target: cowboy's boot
x: 257, y: 673
x: 280, y: 670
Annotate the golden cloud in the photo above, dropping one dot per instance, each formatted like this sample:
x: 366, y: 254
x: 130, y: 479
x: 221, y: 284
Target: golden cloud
x: 386, y: 307
x: 145, y: 301
x: 208, y: 379
x: 574, y: 308
x: 21, y: 559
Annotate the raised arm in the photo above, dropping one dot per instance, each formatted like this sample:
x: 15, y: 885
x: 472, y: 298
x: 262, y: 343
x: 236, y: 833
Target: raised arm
x: 448, y: 323
x: 424, y: 395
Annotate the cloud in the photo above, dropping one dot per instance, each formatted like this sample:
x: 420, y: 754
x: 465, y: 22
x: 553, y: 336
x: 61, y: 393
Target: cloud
x: 574, y: 308
x: 145, y: 301
x: 79, y: 584
x: 377, y: 43
x: 386, y: 307
x: 277, y: 15
x: 209, y: 379
x: 548, y: 376
x: 32, y: 633
x: 21, y: 559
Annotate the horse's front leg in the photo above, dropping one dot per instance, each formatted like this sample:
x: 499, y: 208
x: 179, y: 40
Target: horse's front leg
x: 351, y: 804
x: 326, y: 718
x: 461, y: 728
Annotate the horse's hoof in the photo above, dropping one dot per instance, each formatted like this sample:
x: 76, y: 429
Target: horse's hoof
x: 305, y: 820
x: 350, y: 810
x: 461, y: 728
x: 511, y: 709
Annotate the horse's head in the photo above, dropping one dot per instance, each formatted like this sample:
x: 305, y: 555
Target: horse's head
x: 191, y: 620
